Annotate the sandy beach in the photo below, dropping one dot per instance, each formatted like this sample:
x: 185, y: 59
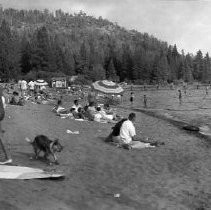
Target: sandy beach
x: 100, y: 175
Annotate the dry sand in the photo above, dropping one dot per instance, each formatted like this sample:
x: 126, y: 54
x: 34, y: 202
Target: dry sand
x: 174, y: 176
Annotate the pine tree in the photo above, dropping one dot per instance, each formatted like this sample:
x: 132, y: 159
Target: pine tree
x: 188, y: 77
x: 138, y: 60
x: 9, y: 54
x: 126, y: 64
x: 111, y: 71
x: 97, y: 72
x: 26, y: 66
x: 84, y: 60
x: 43, y: 49
x: 206, y: 74
x: 188, y: 68
x: 163, y: 67
x: 198, y: 66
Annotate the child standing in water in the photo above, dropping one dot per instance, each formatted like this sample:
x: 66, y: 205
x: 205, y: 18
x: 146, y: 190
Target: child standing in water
x: 207, y: 90
x: 145, y: 101
x: 131, y: 98
x: 180, y: 97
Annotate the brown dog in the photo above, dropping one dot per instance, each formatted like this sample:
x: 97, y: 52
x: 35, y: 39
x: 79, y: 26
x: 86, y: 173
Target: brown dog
x: 47, y: 146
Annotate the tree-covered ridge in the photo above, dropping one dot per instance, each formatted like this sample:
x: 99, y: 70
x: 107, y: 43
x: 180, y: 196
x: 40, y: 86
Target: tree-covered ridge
x: 42, y: 43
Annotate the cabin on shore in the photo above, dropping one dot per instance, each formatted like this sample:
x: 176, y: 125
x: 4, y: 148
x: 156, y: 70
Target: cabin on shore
x: 59, y: 82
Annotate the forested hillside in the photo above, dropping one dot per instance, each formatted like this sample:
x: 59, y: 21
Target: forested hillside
x: 43, y: 44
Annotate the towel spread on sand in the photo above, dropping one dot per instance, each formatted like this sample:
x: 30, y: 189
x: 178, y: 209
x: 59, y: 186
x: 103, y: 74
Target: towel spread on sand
x: 19, y: 172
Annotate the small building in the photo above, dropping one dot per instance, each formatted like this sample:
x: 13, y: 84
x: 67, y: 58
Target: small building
x: 59, y: 82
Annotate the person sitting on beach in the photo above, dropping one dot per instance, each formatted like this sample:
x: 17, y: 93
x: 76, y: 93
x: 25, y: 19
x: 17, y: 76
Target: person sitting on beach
x: 114, y: 135
x: 16, y: 100
x: 107, y: 109
x: 109, y: 113
x: 101, y: 116
x: 38, y: 98
x: 110, y: 116
x: 76, y: 106
x: 80, y: 114
x: 127, y: 137
x: 59, y: 109
x: 98, y: 116
x: 90, y: 111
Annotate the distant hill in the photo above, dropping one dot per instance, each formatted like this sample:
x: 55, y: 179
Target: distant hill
x: 43, y: 44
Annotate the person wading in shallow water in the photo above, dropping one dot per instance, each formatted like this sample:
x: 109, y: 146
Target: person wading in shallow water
x: 145, y: 101
x: 131, y: 98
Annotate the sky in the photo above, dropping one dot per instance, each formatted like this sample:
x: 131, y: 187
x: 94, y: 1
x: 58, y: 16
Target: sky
x: 186, y: 23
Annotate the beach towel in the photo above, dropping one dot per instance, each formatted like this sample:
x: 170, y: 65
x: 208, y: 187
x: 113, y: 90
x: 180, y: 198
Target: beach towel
x: 19, y: 172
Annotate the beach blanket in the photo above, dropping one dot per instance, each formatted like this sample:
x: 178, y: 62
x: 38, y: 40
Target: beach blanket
x: 19, y: 172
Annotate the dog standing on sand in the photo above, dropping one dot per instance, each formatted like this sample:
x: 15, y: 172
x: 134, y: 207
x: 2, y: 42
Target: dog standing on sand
x: 47, y: 146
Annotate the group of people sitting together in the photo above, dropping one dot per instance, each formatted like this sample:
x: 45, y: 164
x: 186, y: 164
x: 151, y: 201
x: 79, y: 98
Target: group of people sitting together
x: 90, y: 112
x: 16, y: 98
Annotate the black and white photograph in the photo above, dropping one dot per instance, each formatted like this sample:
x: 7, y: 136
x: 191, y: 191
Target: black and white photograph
x: 105, y: 105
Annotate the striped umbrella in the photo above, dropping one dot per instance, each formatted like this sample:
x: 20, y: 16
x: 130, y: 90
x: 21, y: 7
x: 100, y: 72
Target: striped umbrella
x: 40, y: 82
x: 107, y: 87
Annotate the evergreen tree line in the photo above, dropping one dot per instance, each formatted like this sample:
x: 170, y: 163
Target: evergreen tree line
x: 42, y: 44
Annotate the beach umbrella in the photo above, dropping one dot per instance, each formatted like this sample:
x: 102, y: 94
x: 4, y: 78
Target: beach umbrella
x: 107, y: 87
x: 40, y: 82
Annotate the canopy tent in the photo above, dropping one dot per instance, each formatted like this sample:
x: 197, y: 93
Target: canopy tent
x: 40, y: 82
x: 107, y: 87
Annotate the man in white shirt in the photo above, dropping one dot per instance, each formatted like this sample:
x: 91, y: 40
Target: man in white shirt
x: 128, y: 133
